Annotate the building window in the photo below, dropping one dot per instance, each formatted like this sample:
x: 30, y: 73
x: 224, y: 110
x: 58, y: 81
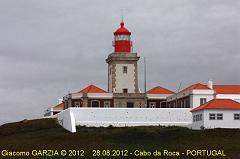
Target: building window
x: 76, y: 104
x: 212, y: 116
x: 236, y: 116
x: 95, y: 103
x: 197, y: 117
x: 187, y: 105
x: 124, y: 69
x: 173, y: 105
x: 106, y: 104
x: 203, y: 101
x: 169, y: 105
x: 152, y: 104
x: 125, y: 90
x: 163, y: 104
x: 219, y: 116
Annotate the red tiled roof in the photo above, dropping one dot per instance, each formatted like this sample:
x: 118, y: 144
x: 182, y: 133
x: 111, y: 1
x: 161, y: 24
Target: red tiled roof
x: 92, y: 89
x: 225, y: 104
x: 159, y: 90
x: 227, y: 89
x: 59, y: 106
x: 195, y: 86
x: 220, y: 89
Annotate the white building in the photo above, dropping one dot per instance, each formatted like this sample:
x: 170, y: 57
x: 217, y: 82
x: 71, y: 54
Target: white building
x: 55, y: 109
x: 198, y: 94
x: 217, y: 113
x: 124, y: 105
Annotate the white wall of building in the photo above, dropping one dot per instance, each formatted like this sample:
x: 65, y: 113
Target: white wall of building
x: 125, y: 80
x: 100, y: 95
x: 121, y: 117
x: 91, y: 95
x: 157, y: 96
x: 197, y: 124
x: 189, y: 93
x: 196, y: 99
x: 227, y: 122
x: 235, y: 97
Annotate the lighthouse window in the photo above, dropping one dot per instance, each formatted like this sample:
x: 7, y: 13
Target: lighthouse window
x: 124, y: 69
x: 122, y: 37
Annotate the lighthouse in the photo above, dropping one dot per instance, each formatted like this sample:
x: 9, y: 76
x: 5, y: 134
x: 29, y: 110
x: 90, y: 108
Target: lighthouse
x: 122, y: 64
x: 123, y: 70
x: 122, y: 40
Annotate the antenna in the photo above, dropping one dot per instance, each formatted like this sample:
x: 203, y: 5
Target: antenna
x: 145, y: 75
x: 122, y: 14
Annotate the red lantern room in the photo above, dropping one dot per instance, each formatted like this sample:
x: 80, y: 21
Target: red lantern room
x: 122, y: 41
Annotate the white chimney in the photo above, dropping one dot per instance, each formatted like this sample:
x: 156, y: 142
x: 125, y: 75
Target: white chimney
x: 210, y: 84
x: 139, y: 90
x: 60, y: 101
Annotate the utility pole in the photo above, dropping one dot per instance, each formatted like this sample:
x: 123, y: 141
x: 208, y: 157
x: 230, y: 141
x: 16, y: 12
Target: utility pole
x: 145, y: 75
x: 179, y: 87
x: 145, y: 81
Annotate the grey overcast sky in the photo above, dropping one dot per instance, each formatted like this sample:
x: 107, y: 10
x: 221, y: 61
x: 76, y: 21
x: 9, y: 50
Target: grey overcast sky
x: 51, y: 47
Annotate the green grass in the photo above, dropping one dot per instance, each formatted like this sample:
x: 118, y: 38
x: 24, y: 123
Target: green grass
x: 47, y: 134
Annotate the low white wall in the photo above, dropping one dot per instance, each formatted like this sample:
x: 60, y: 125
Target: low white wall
x: 67, y: 120
x: 120, y: 117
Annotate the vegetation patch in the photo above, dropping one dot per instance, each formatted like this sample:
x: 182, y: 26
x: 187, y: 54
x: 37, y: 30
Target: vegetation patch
x: 48, y: 134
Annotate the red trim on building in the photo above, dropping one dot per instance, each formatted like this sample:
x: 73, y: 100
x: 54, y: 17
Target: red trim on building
x: 195, y: 86
x: 227, y: 89
x: 219, y: 89
x: 224, y: 104
x: 92, y: 89
x: 159, y: 90
x: 59, y: 106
